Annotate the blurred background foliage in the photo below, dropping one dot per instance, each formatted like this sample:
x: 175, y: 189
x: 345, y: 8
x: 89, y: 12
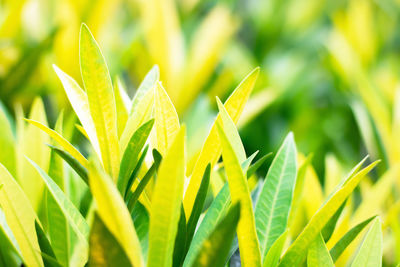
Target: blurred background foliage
x: 329, y: 69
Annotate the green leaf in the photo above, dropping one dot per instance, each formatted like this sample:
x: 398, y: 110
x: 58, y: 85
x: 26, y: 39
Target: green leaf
x: 328, y: 229
x: 145, y: 86
x: 166, y: 203
x: 104, y: 247
x: 20, y: 218
x: 141, y: 220
x: 370, y: 253
x: 131, y: 154
x: 79, y: 102
x: 97, y: 81
x: 212, y: 217
x: 296, y: 252
x: 318, y: 254
x: 198, y: 206
x: 77, y: 222
x: 146, y: 178
x: 180, y: 240
x: 167, y: 121
x: 254, y: 167
x: 274, y: 253
x: 135, y: 172
x: 58, y: 228
x: 72, y: 162
x: 273, y: 205
x: 246, y: 232
x: 345, y: 241
x: 7, y: 141
x: 45, y: 247
x: 215, y: 249
x: 211, y: 150
x: 114, y: 214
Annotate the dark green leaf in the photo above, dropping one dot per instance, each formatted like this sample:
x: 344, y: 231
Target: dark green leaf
x: 45, y: 247
x: 180, y: 240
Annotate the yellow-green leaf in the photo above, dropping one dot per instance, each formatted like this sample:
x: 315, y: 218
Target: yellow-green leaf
x: 166, y: 203
x: 79, y: 102
x: 296, y: 252
x: 318, y: 254
x: 167, y: 121
x: 246, y: 231
x: 113, y: 212
x: 61, y: 141
x: 211, y: 149
x: 97, y: 81
x: 122, y: 105
x: 20, y: 218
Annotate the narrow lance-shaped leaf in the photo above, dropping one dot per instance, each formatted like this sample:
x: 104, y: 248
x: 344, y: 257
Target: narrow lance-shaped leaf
x: 246, y: 231
x: 97, y: 81
x: 20, y: 217
x: 273, y: 205
x: 104, y: 247
x: 370, y: 253
x: 77, y: 222
x: 296, y: 252
x: 318, y: 254
x: 215, y: 249
x: 167, y: 121
x: 131, y: 154
x: 45, y: 248
x: 166, y: 203
x: 79, y: 102
x: 135, y: 172
x: 211, y: 150
x: 114, y: 214
x: 61, y: 141
x: 146, y: 85
x: 343, y: 243
x: 121, y: 106
x: 180, y: 240
x: 274, y: 253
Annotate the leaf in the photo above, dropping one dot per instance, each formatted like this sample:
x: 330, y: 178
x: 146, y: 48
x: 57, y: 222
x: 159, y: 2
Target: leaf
x: 345, y: 241
x: 79, y: 102
x: 211, y: 149
x: 146, y: 85
x: 212, y: 217
x: 274, y: 253
x: 328, y: 229
x: 370, y: 253
x: 45, y: 247
x: 20, y: 217
x: 167, y: 121
x: 77, y: 222
x: 166, y: 201
x: 296, y: 252
x: 72, y: 162
x: 215, y: 249
x: 57, y: 226
x: 114, y: 214
x: 318, y: 254
x: 180, y: 240
x: 131, y: 154
x: 198, y: 206
x: 61, y: 141
x: 275, y: 199
x: 97, y: 81
x: 140, y: 115
x: 121, y: 106
x: 254, y: 167
x: 9, y: 256
x: 146, y: 178
x: 7, y: 140
x: 246, y: 231
x: 104, y: 247
x: 135, y: 172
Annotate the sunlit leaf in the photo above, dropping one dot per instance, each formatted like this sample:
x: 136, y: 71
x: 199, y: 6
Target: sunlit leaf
x: 318, y: 254
x: 97, y: 81
x: 274, y: 253
x: 273, y: 205
x: 166, y: 203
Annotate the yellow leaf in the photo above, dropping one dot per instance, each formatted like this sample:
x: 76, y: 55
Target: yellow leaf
x: 115, y: 215
x: 166, y: 203
x: 211, y: 149
x: 166, y: 119
x: 97, y: 81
